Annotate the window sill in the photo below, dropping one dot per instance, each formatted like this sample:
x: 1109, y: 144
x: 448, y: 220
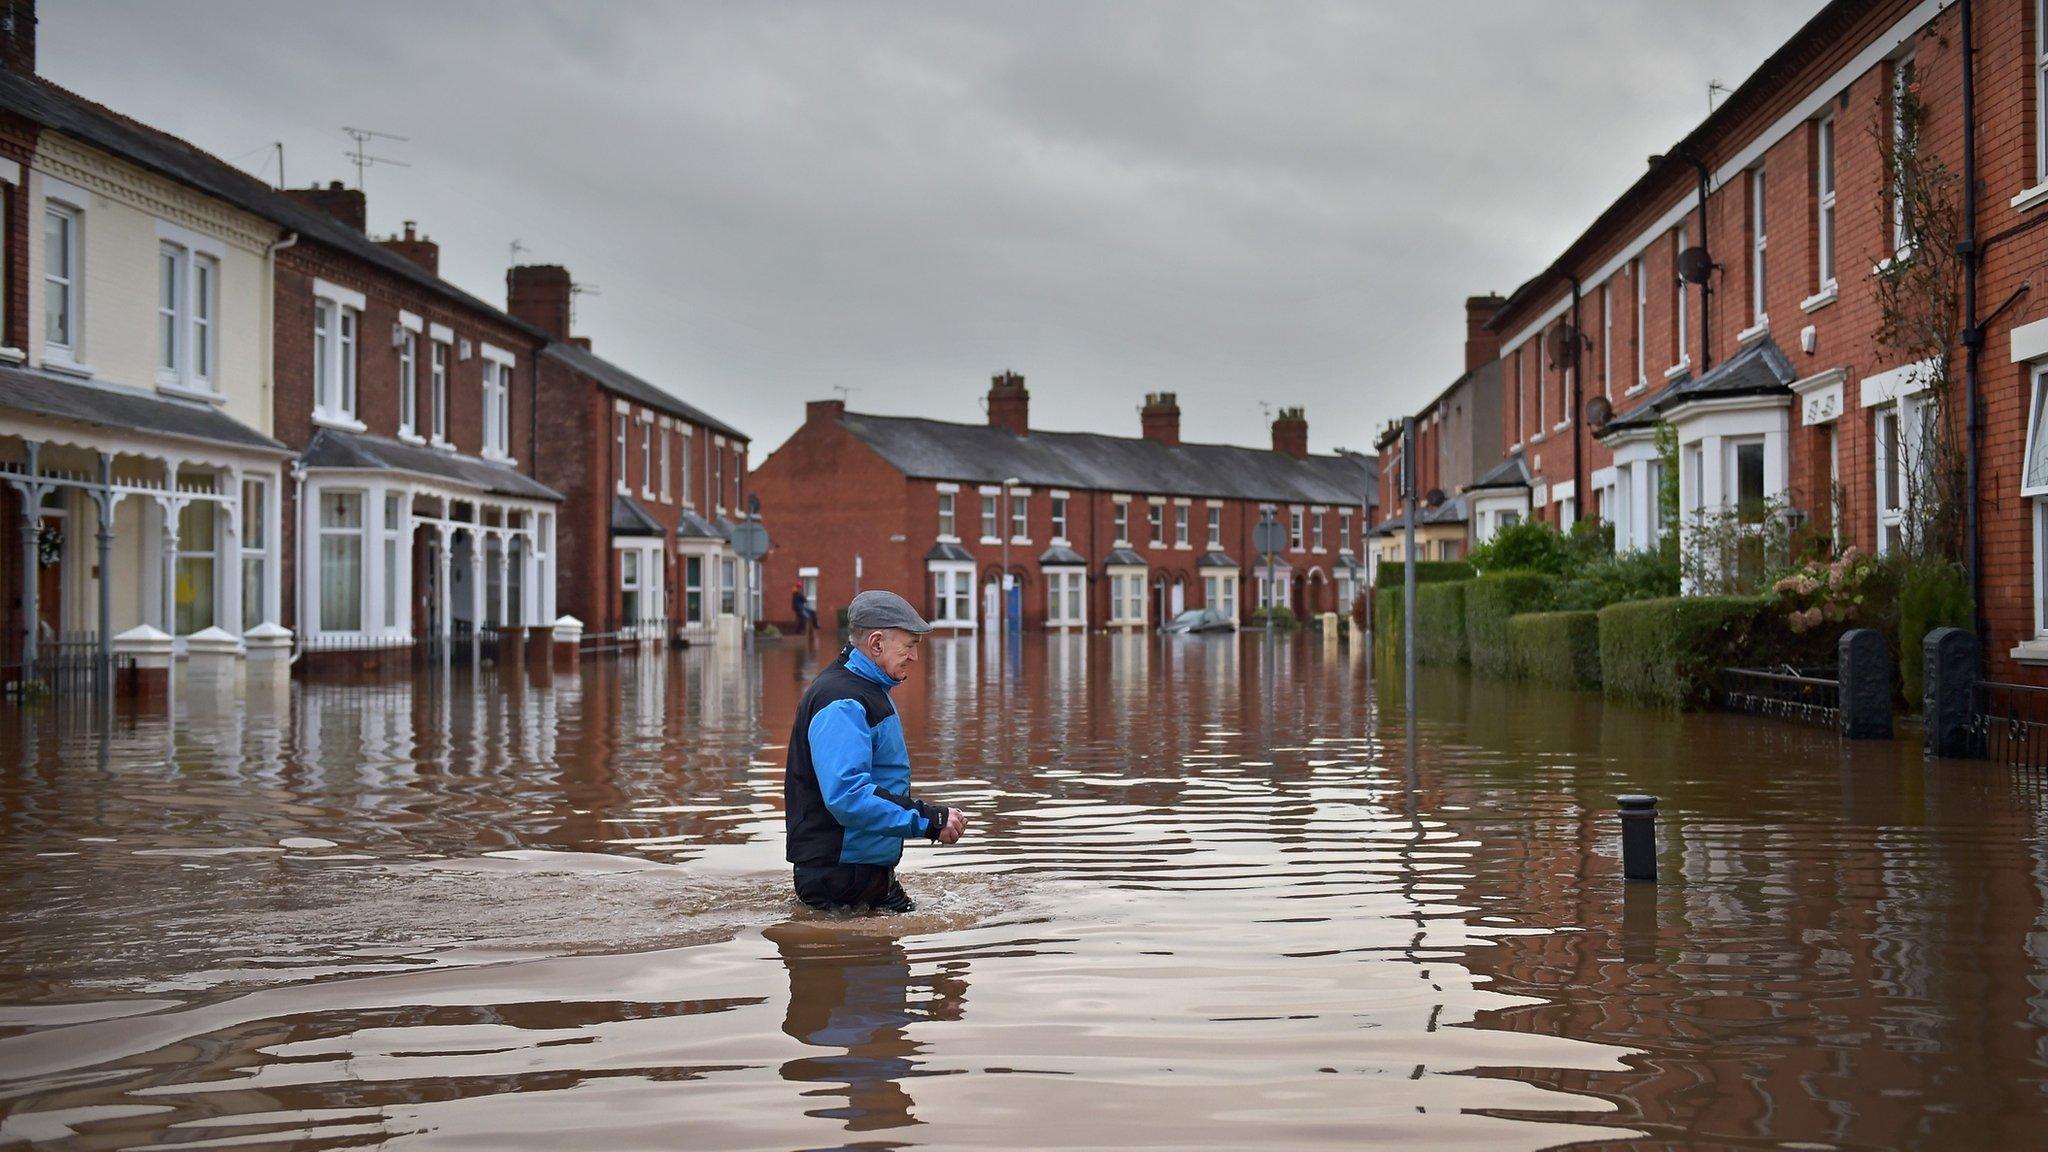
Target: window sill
x: 1828, y: 294
x: 940, y: 540
x: 345, y: 423
x: 13, y: 355
x: 66, y: 367
x: 984, y: 539
x: 1677, y: 370
x: 1901, y: 257
x: 1560, y: 426
x: 2038, y: 194
x: 1536, y: 439
x: 1183, y: 547
x: 1058, y: 542
x: 2033, y: 651
x: 1515, y: 447
x: 188, y: 392
x: 1754, y: 332
x: 441, y: 445
x: 1636, y: 389
x: 1156, y: 544
x: 410, y: 436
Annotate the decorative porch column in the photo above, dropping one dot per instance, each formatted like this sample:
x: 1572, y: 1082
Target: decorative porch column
x: 106, y: 500
x: 32, y: 493
x: 444, y: 565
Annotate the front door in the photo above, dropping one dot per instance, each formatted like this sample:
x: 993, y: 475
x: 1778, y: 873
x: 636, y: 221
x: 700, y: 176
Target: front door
x: 50, y: 578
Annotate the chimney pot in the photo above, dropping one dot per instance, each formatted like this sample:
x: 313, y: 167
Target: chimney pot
x: 1290, y: 433
x: 1009, y: 405
x: 1160, y: 418
x: 342, y: 203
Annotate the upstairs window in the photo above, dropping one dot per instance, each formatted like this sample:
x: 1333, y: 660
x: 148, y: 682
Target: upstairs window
x: 1155, y: 523
x: 1904, y: 141
x: 1642, y: 326
x: 646, y: 457
x: 1294, y: 529
x: 440, y: 390
x: 1020, y: 517
x: 988, y: 516
x: 1680, y: 356
x: 497, y: 400
x: 1759, y: 241
x: 1824, y: 198
x: 1316, y: 541
x: 619, y: 449
x: 1122, y: 522
x: 946, y: 522
x: 1215, y: 527
x: 408, y: 382
x: 61, y: 279
x: 334, y: 361
x: 1059, y: 517
x: 1180, y: 526
x: 1344, y: 532
x: 683, y: 463
x: 667, y: 443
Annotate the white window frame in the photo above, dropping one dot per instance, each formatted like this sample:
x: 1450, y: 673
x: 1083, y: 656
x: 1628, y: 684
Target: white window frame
x: 1120, y: 521
x: 1066, y: 603
x: 991, y: 522
x: 1294, y: 528
x: 1824, y: 222
x: 390, y: 541
x: 253, y: 541
x: 687, y: 436
x: 1059, y: 517
x: 646, y: 423
x: 1681, y: 296
x: 1317, y: 540
x: 1216, y: 527
x: 1607, y: 340
x: 337, y: 344
x: 1903, y: 70
x: 1020, y: 515
x: 1759, y: 245
x: 1127, y: 595
x: 171, y: 277
x: 1642, y: 332
x: 948, y: 517
x: 620, y: 420
x: 1909, y: 414
x: 195, y: 550
x: 408, y: 384
x: 1220, y: 591
x: 66, y: 281
x: 667, y: 434
x: 952, y: 584
x: 1344, y: 531
x: 1155, y: 524
x: 497, y: 402
x: 438, y: 381
x: 1180, y: 526
x: 323, y: 531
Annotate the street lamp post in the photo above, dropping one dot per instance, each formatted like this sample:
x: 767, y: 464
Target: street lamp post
x: 1005, y: 528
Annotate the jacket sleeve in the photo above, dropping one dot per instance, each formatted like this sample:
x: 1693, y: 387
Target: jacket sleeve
x: 842, y: 754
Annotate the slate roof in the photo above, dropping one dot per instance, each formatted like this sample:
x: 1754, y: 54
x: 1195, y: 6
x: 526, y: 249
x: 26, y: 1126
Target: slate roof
x: 1215, y: 560
x: 1762, y: 369
x: 1512, y: 472
x: 1062, y: 558
x: 331, y: 448
x: 1643, y: 415
x: 1454, y: 510
x: 1124, y: 558
x: 948, y: 552
x: 56, y: 108
x: 690, y: 526
x: 630, y: 519
x: 977, y: 453
x: 633, y: 387
x: 129, y: 409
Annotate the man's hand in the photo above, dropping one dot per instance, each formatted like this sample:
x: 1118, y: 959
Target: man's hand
x: 956, y: 827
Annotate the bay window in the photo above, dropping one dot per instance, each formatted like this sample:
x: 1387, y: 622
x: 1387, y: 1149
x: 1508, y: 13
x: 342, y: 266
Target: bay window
x: 953, y: 594
x: 197, y: 549
x: 390, y: 532
x: 255, y: 543
x: 341, y: 562
x: 1065, y: 603
x: 693, y: 589
x: 629, y: 587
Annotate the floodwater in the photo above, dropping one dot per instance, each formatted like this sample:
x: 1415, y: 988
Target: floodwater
x: 1218, y: 894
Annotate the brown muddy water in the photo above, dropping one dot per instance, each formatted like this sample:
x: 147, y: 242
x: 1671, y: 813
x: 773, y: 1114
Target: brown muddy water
x: 1218, y: 895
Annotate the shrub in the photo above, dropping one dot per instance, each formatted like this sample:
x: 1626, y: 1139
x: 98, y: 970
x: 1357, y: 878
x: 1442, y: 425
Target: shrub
x: 1529, y: 546
x: 1932, y: 594
x: 1387, y: 594
x: 770, y: 632
x: 1440, y: 622
x: 1283, y: 618
x: 1647, y: 574
x: 1666, y: 653
x: 1556, y: 648
x: 1489, y: 601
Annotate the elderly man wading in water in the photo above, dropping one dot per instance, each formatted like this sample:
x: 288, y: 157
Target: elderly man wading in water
x: 846, y: 802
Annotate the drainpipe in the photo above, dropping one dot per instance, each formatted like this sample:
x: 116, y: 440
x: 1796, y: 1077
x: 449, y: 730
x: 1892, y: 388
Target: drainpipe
x: 298, y: 562
x: 270, y: 323
x: 1572, y: 412
x: 1973, y: 330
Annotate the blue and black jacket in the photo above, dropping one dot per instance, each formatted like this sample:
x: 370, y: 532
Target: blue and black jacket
x: 846, y: 785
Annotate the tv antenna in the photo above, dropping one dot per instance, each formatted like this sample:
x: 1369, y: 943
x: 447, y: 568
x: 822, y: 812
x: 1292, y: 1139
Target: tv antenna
x: 512, y: 253
x: 578, y: 288
x: 362, y: 158
x: 1715, y: 87
x: 845, y: 393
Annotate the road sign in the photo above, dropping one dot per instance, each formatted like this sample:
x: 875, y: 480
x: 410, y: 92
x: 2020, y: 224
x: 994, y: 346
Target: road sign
x: 1268, y: 537
x: 749, y: 540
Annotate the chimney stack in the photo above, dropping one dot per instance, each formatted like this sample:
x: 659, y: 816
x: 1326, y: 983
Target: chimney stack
x: 1009, y: 405
x: 539, y: 294
x: 824, y: 411
x: 337, y: 200
x: 1290, y: 433
x: 1161, y: 418
x: 416, y: 248
x: 1482, y: 344
x: 18, y: 36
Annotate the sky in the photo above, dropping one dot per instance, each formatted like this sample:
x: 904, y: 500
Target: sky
x: 1252, y: 205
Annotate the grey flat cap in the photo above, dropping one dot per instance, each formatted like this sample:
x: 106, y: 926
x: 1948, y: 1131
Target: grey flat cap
x: 879, y: 609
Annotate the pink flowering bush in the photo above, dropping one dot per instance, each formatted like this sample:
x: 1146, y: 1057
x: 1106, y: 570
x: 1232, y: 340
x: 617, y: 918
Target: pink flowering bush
x: 1826, y: 591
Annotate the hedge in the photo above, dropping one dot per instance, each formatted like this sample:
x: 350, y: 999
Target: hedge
x: 1667, y: 653
x: 1489, y: 601
x: 1556, y: 648
x: 1388, y: 590
x: 1440, y: 623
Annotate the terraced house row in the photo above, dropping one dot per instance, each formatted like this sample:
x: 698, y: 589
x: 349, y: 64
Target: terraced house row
x: 1747, y: 292
x: 230, y: 418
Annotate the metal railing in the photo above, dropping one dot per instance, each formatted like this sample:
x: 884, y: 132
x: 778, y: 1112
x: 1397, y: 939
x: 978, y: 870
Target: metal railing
x: 628, y: 637
x: 2009, y: 723
x: 67, y: 664
x: 1786, y: 693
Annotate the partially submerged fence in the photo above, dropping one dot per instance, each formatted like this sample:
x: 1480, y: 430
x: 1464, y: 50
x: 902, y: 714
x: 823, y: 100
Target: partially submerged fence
x: 1786, y: 693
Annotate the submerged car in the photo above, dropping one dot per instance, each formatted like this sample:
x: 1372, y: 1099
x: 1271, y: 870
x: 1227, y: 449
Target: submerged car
x: 1199, y: 620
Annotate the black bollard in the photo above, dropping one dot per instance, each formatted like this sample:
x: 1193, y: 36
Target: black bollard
x: 1638, y: 837
x: 1864, y: 671
x: 1952, y: 664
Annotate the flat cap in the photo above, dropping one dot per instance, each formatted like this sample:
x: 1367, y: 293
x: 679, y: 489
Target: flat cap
x: 879, y: 609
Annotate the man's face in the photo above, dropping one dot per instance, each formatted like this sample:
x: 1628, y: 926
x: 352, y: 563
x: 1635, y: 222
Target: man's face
x: 894, y: 650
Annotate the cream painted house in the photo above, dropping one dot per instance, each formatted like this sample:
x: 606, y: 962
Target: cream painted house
x: 135, y: 416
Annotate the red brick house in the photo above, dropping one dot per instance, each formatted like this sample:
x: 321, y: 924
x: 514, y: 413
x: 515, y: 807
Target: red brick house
x: 1732, y: 293
x: 416, y: 515
x: 1101, y: 531
x: 1457, y: 444
x: 661, y: 481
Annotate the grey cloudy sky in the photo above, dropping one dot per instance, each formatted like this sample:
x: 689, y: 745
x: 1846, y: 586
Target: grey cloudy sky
x: 1239, y: 202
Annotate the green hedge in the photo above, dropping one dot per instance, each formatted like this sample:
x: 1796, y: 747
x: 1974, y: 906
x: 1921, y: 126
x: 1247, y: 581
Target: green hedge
x: 1666, y: 653
x: 1388, y: 589
x: 1283, y: 618
x: 1489, y: 601
x: 1440, y: 622
x: 1556, y: 648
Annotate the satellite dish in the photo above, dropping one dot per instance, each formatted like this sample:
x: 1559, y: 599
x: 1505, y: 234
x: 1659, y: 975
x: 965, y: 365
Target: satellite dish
x: 1599, y: 410
x: 1694, y: 265
x: 1435, y: 497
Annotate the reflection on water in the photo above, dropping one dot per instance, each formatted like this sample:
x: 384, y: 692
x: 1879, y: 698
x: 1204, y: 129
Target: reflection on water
x: 1218, y: 897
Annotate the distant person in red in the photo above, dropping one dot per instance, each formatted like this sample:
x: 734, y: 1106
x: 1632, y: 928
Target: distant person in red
x: 806, y: 616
